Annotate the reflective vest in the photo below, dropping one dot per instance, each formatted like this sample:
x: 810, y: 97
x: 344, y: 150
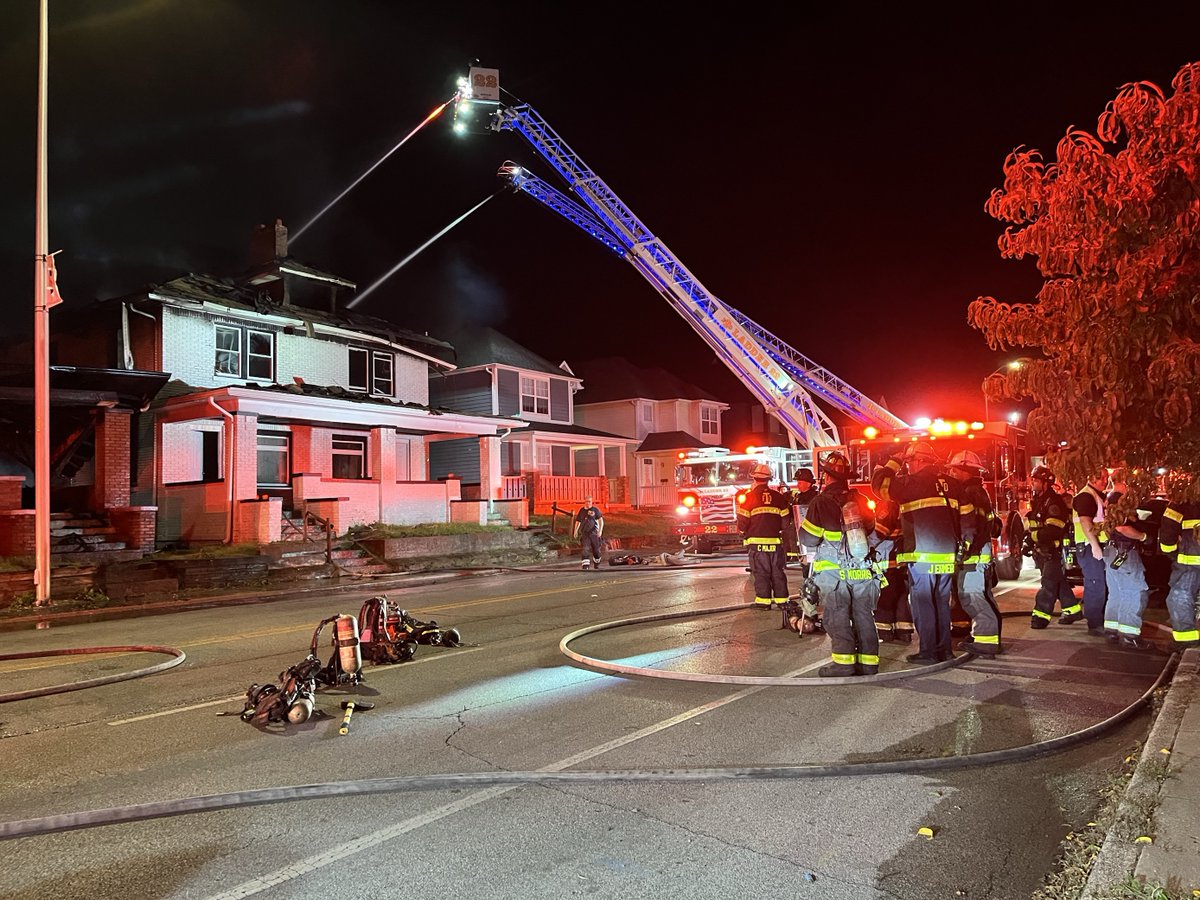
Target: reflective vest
x: 1177, y: 535
x: 1080, y: 537
x: 761, y: 514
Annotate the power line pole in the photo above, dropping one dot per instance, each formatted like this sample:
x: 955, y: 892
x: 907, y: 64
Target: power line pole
x: 41, y: 340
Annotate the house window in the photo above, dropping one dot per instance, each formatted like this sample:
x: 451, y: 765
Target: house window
x: 349, y: 456
x: 371, y: 369
x: 210, y: 456
x: 274, y: 460
x: 245, y: 350
x: 544, y: 463
x: 535, y: 395
x: 381, y: 374
x: 648, y: 413
x: 709, y: 423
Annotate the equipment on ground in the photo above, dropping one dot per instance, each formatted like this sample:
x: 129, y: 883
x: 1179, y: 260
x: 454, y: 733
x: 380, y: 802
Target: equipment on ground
x: 350, y: 706
x: 293, y: 699
x: 391, y: 635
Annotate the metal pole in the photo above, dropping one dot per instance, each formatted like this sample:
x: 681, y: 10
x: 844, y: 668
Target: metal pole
x: 41, y: 338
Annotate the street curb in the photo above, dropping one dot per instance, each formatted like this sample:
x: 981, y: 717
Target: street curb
x: 1119, y: 855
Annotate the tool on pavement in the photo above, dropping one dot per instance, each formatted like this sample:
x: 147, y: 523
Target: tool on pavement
x: 350, y: 706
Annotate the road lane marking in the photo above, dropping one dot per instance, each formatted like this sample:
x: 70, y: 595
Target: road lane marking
x: 366, y: 842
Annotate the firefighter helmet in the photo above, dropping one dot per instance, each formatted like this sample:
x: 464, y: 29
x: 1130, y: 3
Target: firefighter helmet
x: 1042, y: 473
x: 761, y: 472
x: 920, y: 450
x: 805, y: 475
x: 966, y: 459
x: 837, y: 466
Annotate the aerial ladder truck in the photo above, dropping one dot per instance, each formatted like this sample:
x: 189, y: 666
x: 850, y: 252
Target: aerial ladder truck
x: 781, y: 378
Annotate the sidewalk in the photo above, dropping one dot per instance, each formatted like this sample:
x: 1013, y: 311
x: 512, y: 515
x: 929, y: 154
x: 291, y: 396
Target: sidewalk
x: 1156, y: 836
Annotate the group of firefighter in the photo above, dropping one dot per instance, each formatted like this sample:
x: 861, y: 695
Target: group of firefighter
x: 919, y: 555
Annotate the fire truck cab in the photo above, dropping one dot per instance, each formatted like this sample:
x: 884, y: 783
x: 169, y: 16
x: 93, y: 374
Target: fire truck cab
x: 709, y: 482
x: 1001, y: 446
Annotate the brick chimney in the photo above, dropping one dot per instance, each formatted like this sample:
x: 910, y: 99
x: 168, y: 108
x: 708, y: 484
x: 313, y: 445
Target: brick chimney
x: 269, y: 243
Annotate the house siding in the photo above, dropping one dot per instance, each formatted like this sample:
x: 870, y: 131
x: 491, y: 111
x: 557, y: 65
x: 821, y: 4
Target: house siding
x: 508, y: 390
x: 560, y: 400
x: 470, y: 392
x: 458, y: 456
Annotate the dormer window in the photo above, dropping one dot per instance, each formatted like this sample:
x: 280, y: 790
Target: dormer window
x: 535, y: 395
x: 372, y: 371
x: 709, y: 420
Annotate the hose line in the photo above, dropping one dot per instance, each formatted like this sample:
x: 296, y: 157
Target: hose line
x: 179, y: 656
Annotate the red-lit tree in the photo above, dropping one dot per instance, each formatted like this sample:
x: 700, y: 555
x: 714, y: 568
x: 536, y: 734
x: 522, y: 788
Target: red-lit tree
x: 1115, y: 231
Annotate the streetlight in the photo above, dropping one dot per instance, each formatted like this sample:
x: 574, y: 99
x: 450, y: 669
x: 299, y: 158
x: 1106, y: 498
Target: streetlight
x: 1012, y: 367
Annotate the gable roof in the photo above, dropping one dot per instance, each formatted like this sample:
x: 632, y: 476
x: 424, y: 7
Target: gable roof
x: 615, y: 378
x: 485, y: 346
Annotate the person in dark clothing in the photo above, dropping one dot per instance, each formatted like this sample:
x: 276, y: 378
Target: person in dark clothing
x: 589, y: 526
x: 762, y: 515
x: 974, y: 576
x: 893, y: 616
x: 798, y: 498
x: 836, y: 531
x: 929, y: 520
x: 1179, y: 538
x: 1048, y: 517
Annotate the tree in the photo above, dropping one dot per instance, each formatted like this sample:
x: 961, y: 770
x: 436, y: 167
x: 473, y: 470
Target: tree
x: 1114, y: 224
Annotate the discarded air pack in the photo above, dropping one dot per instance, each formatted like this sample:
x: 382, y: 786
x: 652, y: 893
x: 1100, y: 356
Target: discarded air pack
x: 391, y: 635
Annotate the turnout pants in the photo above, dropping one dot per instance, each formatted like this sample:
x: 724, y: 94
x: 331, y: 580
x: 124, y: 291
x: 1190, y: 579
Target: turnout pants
x: 850, y: 619
x: 1095, y: 585
x: 770, y: 577
x: 930, y: 598
x: 1181, y: 603
x: 1054, y: 587
x: 591, y: 547
x: 975, y: 595
x: 892, y: 612
x: 1127, y: 593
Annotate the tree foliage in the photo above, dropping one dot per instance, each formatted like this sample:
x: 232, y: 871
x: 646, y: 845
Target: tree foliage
x: 1114, y: 225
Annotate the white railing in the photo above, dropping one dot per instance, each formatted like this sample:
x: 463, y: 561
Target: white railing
x: 658, y: 495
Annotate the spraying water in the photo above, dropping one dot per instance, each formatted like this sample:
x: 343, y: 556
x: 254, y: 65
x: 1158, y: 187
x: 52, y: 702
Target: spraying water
x: 398, y: 266
x: 429, y: 118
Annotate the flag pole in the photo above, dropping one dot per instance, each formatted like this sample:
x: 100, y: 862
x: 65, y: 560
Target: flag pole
x: 41, y: 338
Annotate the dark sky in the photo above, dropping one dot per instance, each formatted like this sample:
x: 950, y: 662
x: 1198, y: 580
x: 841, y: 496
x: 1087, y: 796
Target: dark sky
x: 824, y: 173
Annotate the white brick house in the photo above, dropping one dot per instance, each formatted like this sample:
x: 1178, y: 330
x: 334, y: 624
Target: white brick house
x: 280, y: 401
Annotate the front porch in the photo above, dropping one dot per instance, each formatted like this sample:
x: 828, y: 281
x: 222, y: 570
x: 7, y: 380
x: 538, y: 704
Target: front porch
x: 546, y: 491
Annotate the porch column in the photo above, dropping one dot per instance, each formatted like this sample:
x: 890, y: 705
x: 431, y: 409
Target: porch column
x: 110, y: 487
x: 489, y: 467
x: 241, y: 435
x: 381, y: 467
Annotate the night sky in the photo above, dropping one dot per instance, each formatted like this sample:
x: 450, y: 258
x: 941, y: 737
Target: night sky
x: 824, y: 173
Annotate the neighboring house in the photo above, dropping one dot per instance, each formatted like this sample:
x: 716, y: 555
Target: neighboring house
x: 666, y: 415
x: 554, y: 459
x: 280, y: 402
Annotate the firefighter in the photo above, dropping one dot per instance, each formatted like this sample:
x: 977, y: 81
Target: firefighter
x: 836, y: 532
x: 1179, y: 537
x: 929, y: 520
x: 798, y: 498
x: 1087, y: 514
x: 1125, y: 577
x: 763, y: 514
x: 974, y: 578
x: 1047, y: 525
x: 893, y: 617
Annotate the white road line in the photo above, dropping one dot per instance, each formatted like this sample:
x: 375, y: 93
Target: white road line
x: 366, y: 842
x: 376, y: 671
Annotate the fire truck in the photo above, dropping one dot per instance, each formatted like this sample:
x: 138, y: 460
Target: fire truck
x: 710, y: 482
x: 787, y: 383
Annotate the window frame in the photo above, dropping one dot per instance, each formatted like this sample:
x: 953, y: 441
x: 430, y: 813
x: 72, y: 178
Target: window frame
x: 241, y: 353
x: 285, y: 447
x: 536, y: 383
x: 709, y: 415
x: 361, y: 442
x: 371, y: 384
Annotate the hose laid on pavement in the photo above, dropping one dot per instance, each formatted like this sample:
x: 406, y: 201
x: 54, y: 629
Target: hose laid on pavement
x: 179, y: 656
x: 143, y: 811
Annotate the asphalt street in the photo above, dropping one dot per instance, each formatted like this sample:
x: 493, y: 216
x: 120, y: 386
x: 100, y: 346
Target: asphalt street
x: 508, y: 700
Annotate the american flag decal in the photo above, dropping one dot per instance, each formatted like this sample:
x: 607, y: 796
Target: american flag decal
x: 716, y: 510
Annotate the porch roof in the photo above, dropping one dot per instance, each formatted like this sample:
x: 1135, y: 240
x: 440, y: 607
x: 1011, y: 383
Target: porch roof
x: 670, y: 440
x: 559, y: 430
x: 324, y: 409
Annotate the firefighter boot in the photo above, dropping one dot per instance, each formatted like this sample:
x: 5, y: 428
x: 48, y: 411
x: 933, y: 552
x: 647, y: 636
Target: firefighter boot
x: 1069, y: 618
x: 837, y: 670
x: 1038, y: 622
x: 988, y: 650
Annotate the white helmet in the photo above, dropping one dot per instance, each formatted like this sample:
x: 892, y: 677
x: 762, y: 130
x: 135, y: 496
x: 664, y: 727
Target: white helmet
x: 967, y: 459
x: 761, y: 472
